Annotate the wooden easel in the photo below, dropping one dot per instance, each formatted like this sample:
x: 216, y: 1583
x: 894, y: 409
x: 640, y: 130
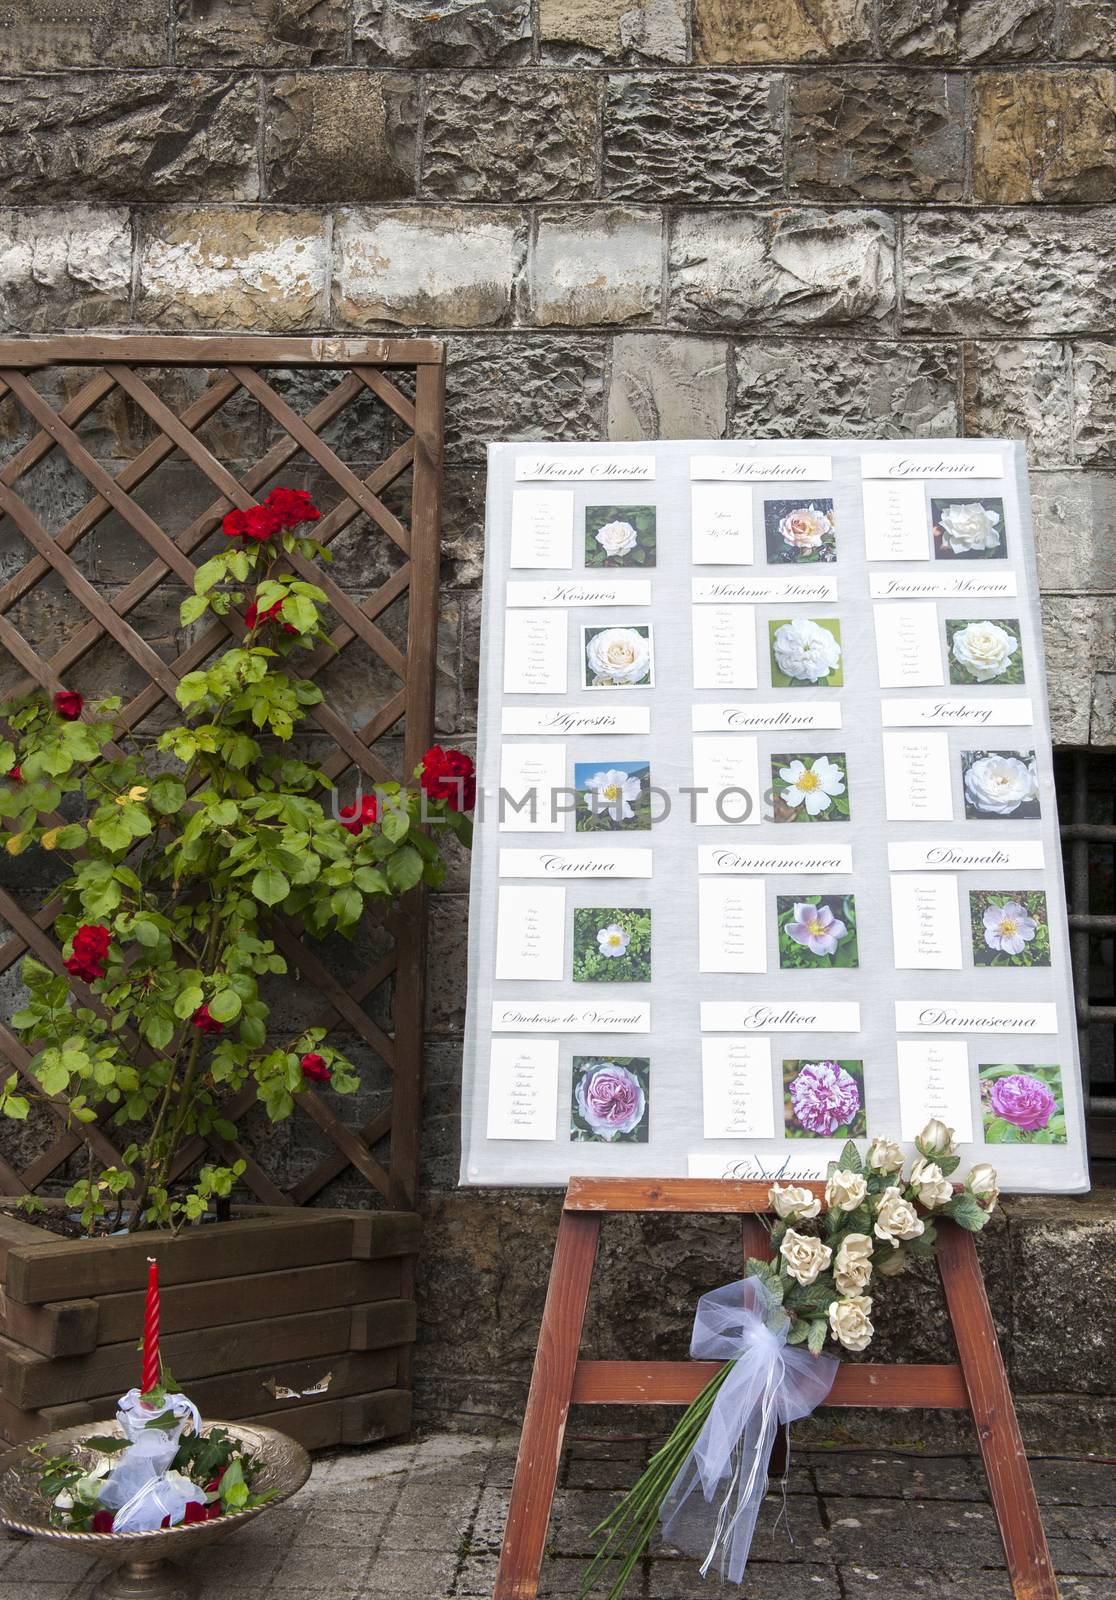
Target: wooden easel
x: 977, y: 1384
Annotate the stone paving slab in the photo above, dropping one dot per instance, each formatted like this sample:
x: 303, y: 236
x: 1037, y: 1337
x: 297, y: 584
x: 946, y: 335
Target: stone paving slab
x: 423, y: 1521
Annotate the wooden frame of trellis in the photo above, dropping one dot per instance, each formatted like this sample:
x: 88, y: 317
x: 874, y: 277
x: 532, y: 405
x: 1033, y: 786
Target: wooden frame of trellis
x: 238, y: 365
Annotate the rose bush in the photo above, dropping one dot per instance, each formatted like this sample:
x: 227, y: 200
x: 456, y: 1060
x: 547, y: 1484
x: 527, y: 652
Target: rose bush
x: 178, y: 856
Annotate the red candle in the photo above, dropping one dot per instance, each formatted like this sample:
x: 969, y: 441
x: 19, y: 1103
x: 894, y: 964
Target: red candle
x: 151, y: 1366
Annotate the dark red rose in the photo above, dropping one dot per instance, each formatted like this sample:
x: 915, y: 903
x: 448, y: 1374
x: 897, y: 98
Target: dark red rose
x: 359, y: 820
x: 258, y: 523
x: 450, y: 775
x: 68, y: 705
x: 15, y: 774
x: 102, y: 1522
x: 196, y: 1511
x: 314, y: 1068
x: 255, y: 618
x: 205, y: 1023
x: 90, y: 947
x: 292, y: 506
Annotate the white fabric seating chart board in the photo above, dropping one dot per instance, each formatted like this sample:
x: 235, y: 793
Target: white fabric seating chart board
x: 766, y: 850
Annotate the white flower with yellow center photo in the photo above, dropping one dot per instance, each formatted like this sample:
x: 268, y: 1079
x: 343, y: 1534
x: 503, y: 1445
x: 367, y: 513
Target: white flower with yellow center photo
x: 612, y: 792
x: 810, y: 786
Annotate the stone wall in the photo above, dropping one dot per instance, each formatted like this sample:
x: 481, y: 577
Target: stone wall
x: 628, y: 218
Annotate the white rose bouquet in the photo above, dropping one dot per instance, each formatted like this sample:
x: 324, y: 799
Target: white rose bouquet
x: 817, y: 1287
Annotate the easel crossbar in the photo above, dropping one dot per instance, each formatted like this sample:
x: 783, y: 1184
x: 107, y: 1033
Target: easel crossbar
x: 676, y: 1383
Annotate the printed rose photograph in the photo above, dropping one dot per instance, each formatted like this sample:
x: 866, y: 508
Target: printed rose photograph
x: 999, y: 784
x: 611, y: 946
x: 968, y: 530
x: 806, y: 652
x: 1022, y: 1104
x: 612, y: 796
x: 1010, y: 927
x: 610, y: 1099
x: 984, y: 651
x: 619, y: 536
x: 617, y: 658
x: 818, y: 931
x: 809, y: 788
x: 824, y: 1100
x: 799, y: 530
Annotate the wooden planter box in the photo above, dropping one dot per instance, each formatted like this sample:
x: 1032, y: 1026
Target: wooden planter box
x: 278, y: 1299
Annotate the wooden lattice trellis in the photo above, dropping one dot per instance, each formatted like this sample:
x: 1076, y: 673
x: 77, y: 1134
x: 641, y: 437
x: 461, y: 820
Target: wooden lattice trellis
x: 235, y: 368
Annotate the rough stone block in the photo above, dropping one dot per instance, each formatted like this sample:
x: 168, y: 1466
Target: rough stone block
x: 441, y: 268
x: 792, y: 269
x: 128, y: 136
x: 1088, y: 29
x: 43, y: 35
x: 787, y: 389
x: 1077, y: 636
x: 613, y: 30
x: 1050, y: 1238
x: 341, y: 136
x: 266, y: 33
x: 877, y: 136
x: 513, y: 136
x: 602, y: 264
x: 1094, y: 399
x: 967, y: 30
x: 64, y: 267
x: 1021, y: 391
x: 1044, y: 136
x: 225, y: 269
x: 455, y: 33
x: 662, y: 386
x: 781, y: 30
x: 1016, y: 272
x: 514, y: 388
x: 693, y: 136
x: 1074, y: 514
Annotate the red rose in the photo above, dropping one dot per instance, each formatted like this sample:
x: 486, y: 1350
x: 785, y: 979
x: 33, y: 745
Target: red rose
x: 255, y: 618
x: 90, y: 947
x: 369, y: 811
x: 68, y: 705
x: 258, y: 523
x: 102, y: 1522
x: 449, y: 775
x: 196, y: 1511
x: 314, y: 1068
x: 15, y: 774
x: 205, y: 1023
x: 292, y: 506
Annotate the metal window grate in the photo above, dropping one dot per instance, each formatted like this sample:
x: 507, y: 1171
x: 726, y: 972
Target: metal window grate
x: 1086, y: 783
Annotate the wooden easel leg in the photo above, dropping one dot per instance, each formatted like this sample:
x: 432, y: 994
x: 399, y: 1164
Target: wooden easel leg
x: 997, y: 1428
x: 548, y: 1405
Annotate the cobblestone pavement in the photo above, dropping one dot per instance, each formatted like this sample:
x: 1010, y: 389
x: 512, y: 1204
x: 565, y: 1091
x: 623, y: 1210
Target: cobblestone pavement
x: 423, y: 1521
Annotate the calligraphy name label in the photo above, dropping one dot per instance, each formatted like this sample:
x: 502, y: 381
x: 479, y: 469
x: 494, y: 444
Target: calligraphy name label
x: 557, y: 719
x: 1010, y: 712
x: 754, y: 591
x: 722, y: 718
x: 751, y: 1169
x: 763, y: 469
x: 581, y: 469
x: 531, y: 1016
x: 950, y: 586
x: 752, y: 1016
x: 575, y: 863
x: 977, y: 464
x: 776, y: 858
x: 950, y: 1016
x: 590, y: 592
x: 939, y: 855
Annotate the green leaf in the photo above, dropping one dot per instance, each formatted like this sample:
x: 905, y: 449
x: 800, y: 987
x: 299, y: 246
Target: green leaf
x: 394, y: 823
x: 225, y: 1006
x: 849, y: 1160
x: 192, y: 608
x: 146, y: 932
x: 370, y: 880
x: 188, y: 1002
x: 194, y: 686
x: 815, y: 1341
x: 346, y: 905
x: 799, y: 1333
x: 270, y: 886
x: 208, y: 574
x: 404, y: 869
x: 158, y: 1030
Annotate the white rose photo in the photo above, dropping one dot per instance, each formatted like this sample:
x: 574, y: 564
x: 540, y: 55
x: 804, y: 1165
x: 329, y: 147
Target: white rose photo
x: 800, y: 530
x: 620, y: 536
x: 968, y: 530
x: 999, y: 784
x: 618, y: 657
x: 806, y: 651
x: 984, y: 651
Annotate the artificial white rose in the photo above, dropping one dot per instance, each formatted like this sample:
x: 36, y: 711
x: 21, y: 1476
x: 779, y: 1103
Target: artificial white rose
x: 805, y: 1257
x: 618, y: 655
x: 852, y: 1265
x: 617, y: 538
x: 884, y: 1156
x: 936, y: 1139
x: 984, y: 649
x: 970, y: 527
x: 850, y: 1322
x: 845, y: 1191
x: 805, y: 651
x: 896, y: 1218
x: 934, y: 1188
x: 983, y: 1184
x: 999, y: 785
x: 791, y: 1200
x: 893, y: 1263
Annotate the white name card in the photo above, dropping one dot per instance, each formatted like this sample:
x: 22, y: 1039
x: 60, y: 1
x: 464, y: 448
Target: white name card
x: 947, y: 586
x: 896, y: 522
x: 542, y: 528
x: 721, y: 525
x: 933, y: 464
x: 722, y: 718
x: 523, y: 1089
x: 560, y: 720
x: 946, y: 855
x: 737, y: 1101
x: 776, y: 858
x: 974, y: 1016
x: 764, y: 469
x: 607, y: 863
x: 584, y: 469
x: 534, y: 652
x: 934, y: 1082
x: 581, y: 592
x: 779, y: 1016
x: 779, y: 587
x: 984, y: 711
x: 561, y: 1016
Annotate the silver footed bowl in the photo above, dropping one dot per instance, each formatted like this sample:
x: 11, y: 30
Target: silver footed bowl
x: 145, y: 1572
